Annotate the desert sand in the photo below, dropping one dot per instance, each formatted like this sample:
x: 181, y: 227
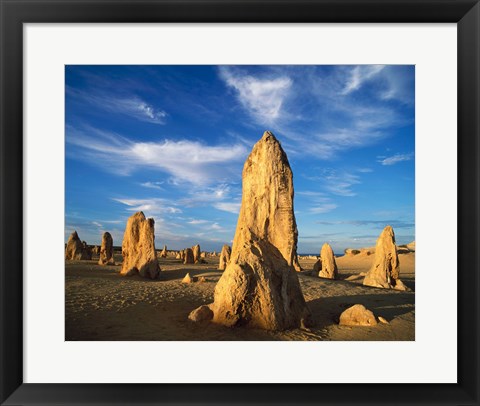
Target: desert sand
x: 100, y: 304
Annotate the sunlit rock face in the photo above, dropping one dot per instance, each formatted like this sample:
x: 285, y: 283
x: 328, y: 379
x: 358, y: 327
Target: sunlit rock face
x: 106, y: 250
x: 385, y: 271
x: 138, y: 247
x: 224, y: 257
x: 260, y: 286
x: 75, y: 249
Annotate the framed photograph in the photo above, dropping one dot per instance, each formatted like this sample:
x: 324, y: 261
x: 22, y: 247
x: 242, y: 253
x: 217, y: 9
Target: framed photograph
x: 239, y: 202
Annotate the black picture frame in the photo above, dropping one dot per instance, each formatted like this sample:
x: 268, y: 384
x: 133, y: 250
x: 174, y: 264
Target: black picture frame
x: 14, y: 13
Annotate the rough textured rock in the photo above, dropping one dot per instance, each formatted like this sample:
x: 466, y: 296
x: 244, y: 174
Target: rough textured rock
x: 188, y: 279
x: 196, y: 253
x: 138, y: 247
x: 87, y: 251
x: 357, y: 315
x: 385, y: 270
x: 296, y: 264
x: 96, y: 250
x: 106, y: 250
x: 163, y: 254
x: 224, y: 257
x: 74, y: 249
x: 260, y: 286
x: 188, y: 256
x: 351, y: 251
x: 178, y: 256
x: 317, y: 267
x: 328, y: 265
x: 203, y: 313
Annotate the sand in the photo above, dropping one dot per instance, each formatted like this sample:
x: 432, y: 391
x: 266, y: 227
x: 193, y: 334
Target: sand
x: 102, y: 305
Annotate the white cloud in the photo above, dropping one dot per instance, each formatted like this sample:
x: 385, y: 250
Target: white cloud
x: 198, y: 222
x: 359, y: 126
x: 216, y: 227
x: 263, y: 98
x: 395, y: 159
x: 359, y: 75
x: 317, y: 202
x: 341, y: 183
x: 152, y: 185
x: 230, y: 207
x: 112, y: 221
x: 334, y: 181
x: 151, y: 207
x: 365, y: 170
x: 324, y: 208
x: 399, y: 85
x: 208, y: 196
x: 131, y: 106
x: 185, y: 161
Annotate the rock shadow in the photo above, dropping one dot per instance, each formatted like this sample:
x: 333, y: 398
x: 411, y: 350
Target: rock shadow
x: 326, y: 311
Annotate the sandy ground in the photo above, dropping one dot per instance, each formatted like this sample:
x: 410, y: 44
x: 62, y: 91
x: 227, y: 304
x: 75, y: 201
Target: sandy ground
x: 102, y: 305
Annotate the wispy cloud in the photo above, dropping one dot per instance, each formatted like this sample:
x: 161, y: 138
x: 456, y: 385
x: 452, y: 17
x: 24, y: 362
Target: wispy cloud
x: 152, y: 185
x: 334, y: 181
x: 231, y: 207
x: 132, y: 106
x: 318, y: 202
x: 195, y: 222
x: 375, y: 223
x: 323, y: 208
x: 359, y: 75
x: 341, y: 183
x: 365, y: 170
x: 395, y: 159
x: 151, y: 207
x: 207, y: 196
x: 207, y: 225
x: 205, y: 163
x: 261, y: 97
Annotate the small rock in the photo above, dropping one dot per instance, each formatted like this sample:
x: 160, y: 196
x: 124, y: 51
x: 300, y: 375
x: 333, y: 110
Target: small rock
x: 188, y: 279
x: 382, y: 320
x: 202, y: 313
x: 357, y: 315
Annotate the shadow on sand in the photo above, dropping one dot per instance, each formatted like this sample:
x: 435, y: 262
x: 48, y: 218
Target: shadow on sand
x: 326, y: 311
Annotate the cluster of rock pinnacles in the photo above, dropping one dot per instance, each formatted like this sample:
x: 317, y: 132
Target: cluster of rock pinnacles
x: 259, y: 286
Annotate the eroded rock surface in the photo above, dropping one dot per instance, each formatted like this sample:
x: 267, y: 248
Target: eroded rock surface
x: 260, y: 286
x: 138, y: 248
x: 106, y: 250
x: 357, y: 315
x: 188, y: 256
x: 224, y: 257
x: 326, y: 265
x: 75, y: 249
x: 385, y: 270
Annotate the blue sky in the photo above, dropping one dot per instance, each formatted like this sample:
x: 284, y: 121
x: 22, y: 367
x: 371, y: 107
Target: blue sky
x: 171, y: 141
